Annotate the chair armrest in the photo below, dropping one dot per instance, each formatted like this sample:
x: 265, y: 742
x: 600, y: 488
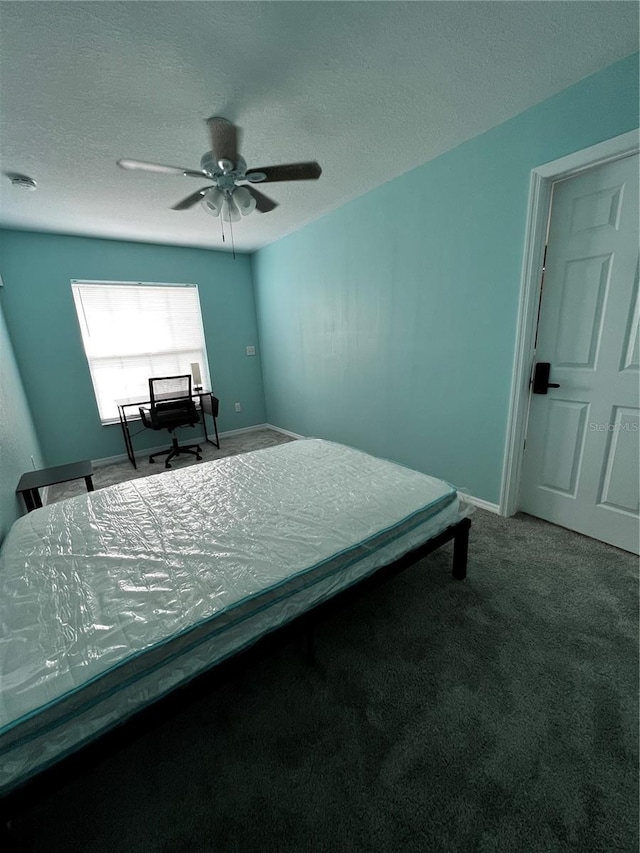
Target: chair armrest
x: 145, y: 415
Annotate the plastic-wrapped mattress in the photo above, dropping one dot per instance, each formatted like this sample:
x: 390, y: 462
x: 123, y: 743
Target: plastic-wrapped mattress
x: 110, y: 600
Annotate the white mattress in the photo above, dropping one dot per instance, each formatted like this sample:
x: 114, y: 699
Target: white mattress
x: 111, y: 599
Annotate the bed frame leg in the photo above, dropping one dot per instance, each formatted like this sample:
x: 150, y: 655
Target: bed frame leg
x: 311, y: 646
x: 460, y: 548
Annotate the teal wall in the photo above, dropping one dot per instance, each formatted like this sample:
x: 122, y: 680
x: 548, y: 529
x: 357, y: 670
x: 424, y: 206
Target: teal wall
x: 390, y: 323
x: 37, y: 270
x: 18, y: 441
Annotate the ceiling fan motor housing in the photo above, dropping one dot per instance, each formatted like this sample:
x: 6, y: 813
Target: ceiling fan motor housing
x: 211, y: 166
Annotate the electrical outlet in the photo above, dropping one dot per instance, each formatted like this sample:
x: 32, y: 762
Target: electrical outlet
x: 238, y: 407
x: 251, y: 350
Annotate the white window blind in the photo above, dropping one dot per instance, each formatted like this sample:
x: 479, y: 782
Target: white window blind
x: 132, y: 331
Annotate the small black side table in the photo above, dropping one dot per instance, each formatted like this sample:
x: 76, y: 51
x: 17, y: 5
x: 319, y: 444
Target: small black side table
x: 34, y: 480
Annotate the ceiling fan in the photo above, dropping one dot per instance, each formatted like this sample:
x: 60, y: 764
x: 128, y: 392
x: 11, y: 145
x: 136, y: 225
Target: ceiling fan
x: 227, y: 170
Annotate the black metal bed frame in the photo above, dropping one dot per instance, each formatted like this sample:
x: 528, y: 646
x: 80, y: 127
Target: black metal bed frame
x: 15, y: 801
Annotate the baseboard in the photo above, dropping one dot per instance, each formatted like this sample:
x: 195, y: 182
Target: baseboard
x: 481, y: 503
x: 122, y: 457
x: 253, y: 428
x: 284, y: 431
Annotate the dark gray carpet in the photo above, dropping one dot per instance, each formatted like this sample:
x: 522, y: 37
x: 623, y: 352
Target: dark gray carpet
x: 493, y: 715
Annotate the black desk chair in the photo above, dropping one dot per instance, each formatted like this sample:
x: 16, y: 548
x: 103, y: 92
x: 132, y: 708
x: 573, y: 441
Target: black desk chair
x: 171, y: 407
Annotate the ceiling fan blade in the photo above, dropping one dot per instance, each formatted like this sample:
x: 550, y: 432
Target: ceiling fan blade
x: 224, y: 140
x: 264, y: 204
x: 158, y: 168
x: 190, y: 200
x: 286, y: 172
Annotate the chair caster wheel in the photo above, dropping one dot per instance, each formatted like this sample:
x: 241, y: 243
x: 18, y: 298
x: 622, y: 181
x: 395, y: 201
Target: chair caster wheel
x: 199, y: 458
x: 151, y: 460
x: 167, y: 465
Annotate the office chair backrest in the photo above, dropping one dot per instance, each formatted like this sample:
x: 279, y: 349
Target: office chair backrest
x: 171, y: 403
x: 169, y: 388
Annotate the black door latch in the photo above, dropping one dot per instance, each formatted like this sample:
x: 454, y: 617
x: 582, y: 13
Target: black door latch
x: 541, y: 378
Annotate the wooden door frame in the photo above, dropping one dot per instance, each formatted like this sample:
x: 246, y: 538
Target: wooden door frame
x: 541, y: 182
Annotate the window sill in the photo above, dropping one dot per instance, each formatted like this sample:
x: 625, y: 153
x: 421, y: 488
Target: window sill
x: 116, y: 421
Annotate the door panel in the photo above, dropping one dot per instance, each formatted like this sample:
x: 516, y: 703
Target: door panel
x: 581, y: 464
x: 632, y: 338
x: 596, y: 210
x: 580, y: 315
x: 564, y: 440
x: 623, y: 455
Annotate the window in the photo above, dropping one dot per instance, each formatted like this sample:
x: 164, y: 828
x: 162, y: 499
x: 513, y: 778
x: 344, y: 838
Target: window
x: 132, y: 330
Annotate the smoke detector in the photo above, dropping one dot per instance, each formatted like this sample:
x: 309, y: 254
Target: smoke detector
x: 24, y: 183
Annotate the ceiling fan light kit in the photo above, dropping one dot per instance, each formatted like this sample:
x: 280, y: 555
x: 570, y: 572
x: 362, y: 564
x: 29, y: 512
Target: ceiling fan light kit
x: 230, y: 212
x: 244, y: 200
x: 227, y: 170
x: 232, y: 205
x: 212, y: 201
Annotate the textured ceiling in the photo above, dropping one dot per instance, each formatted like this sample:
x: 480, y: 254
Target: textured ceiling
x: 369, y: 89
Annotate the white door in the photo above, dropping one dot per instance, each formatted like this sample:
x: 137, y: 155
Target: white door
x: 581, y: 461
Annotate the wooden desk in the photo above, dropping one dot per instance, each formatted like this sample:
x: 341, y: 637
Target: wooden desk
x: 34, y: 480
x: 208, y: 405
